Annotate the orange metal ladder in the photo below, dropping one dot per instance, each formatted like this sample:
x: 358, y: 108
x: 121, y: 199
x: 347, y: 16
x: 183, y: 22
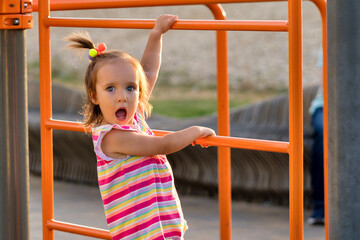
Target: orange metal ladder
x: 294, y: 147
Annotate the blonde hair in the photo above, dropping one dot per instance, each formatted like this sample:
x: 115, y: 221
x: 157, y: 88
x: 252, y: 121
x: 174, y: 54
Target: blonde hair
x: 92, y: 113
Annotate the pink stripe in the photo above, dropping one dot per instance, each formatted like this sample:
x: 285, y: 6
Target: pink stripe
x: 139, y: 227
x: 120, y: 213
x: 120, y: 189
x: 161, y: 237
x: 112, y: 196
x: 125, y: 208
x: 172, y: 233
x: 131, y: 166
x: 168, y: 216
x: 159, y: 198
x: 132, y: 209
x: 165, y: 177
x: 109, y: 198
x: 101, y: 162
x: 125, y: 170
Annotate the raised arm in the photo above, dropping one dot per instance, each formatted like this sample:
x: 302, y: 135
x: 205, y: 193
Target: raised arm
x: 151, y: 59
x: 118, y: 142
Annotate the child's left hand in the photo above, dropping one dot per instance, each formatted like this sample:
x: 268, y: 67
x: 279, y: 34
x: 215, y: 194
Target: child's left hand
x: 164, y: 22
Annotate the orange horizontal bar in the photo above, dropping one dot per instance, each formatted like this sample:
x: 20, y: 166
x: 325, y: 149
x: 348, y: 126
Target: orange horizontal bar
x: 220, y: 141
x: 274, y: 25
x: 64, y: 125
x: 58, y: 5
x: 78, y: 229
x: 243, y: 143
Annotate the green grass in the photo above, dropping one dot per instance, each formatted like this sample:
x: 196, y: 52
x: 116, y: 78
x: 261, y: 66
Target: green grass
x: 188, y: 107
x: 184, y: 102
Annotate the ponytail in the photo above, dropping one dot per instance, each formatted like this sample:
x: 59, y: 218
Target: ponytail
x: 80, y: 41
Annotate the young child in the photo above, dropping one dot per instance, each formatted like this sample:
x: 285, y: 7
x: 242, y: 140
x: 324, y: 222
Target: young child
x: 135, y: 178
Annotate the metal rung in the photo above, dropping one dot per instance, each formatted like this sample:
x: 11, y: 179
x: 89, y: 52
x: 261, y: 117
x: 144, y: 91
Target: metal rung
x: 269, y: 25
x: 78, y: 229
x: 220, y: 141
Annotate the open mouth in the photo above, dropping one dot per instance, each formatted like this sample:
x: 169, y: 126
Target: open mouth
x: 121, y: 114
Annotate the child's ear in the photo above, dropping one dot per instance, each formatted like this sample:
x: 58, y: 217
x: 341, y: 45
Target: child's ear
x: 93, y: 98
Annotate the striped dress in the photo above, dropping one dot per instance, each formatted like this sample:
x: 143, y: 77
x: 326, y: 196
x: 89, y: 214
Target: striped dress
x: 138, y: 193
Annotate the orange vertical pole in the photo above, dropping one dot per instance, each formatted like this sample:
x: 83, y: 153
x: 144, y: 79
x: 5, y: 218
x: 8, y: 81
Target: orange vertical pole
x: 295, y: 120
x: 45, y: 114
x: 325, y: 116
x: 321, y: 4
x: 224, y: 160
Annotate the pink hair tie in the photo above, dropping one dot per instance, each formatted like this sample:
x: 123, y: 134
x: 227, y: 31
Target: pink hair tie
x: 97, y: 51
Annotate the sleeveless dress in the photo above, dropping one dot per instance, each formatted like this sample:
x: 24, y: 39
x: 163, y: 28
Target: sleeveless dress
x: 138, y: 192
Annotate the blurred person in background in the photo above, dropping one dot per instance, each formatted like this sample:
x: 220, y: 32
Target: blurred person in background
x: 317, y: 154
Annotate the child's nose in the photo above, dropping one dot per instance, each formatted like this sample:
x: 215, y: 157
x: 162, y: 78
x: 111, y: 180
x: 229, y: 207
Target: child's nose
x: 122, y: 98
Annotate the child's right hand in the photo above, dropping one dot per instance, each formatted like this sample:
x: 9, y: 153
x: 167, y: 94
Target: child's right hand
x: 206, y: 132
x: 164, y: 22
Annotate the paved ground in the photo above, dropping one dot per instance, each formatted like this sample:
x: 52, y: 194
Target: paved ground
x: 82, y: 205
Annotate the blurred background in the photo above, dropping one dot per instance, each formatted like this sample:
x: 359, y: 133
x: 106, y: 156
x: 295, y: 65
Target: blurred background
x: 258, y: 61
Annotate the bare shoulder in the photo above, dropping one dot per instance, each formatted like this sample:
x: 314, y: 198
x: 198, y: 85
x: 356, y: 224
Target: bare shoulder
x: 116, y: 142
x: 118, y: 134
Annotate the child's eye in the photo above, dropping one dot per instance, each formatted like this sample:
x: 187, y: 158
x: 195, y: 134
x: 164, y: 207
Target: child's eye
x: 110, y: 89
x: 130, y: 88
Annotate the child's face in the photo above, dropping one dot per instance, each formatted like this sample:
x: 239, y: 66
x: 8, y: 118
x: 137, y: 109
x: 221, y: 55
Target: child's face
x: 117, y: 92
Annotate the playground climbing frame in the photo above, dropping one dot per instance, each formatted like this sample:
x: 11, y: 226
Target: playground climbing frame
x: 223, y: 141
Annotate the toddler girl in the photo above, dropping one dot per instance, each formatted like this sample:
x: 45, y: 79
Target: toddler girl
x: 135, y: 178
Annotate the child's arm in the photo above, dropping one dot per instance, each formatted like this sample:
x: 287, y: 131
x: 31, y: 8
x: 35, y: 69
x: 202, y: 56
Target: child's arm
x: 151, y: 58
x: 131, y: 143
